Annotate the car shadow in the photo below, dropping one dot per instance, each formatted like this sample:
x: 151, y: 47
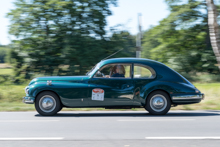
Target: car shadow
x: 132, y: 114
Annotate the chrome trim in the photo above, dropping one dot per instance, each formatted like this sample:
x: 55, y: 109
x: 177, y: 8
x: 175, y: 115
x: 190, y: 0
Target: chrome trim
x: 158, y: 103
x: 47, y: 103
x: 188, y: 97
x: 27, y: 90
x: 28, y: 100
x: 49, y: 83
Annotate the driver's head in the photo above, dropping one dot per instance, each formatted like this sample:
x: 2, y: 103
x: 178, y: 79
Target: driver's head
x: 120, y: 69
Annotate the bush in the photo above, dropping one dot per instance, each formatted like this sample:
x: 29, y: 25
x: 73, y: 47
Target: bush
x: 202, y: 77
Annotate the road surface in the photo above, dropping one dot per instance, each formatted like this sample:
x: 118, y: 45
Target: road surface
x: 110, y: 128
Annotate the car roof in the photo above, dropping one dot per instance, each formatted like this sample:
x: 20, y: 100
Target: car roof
x: 131, y: 60
x: 162, y: 71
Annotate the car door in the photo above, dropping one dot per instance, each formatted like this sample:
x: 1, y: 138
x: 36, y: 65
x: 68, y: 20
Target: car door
x: 143, y: 75
x: 111, y: 91
x: 73, y: 94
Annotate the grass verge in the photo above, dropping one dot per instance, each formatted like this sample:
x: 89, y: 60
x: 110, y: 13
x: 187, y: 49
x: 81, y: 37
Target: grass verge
x: 6, y: 71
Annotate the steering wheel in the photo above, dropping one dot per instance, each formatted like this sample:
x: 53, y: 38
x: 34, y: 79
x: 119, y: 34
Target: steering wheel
x: 103, y: 75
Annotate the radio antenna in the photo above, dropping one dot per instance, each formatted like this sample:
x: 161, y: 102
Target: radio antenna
x: 112, y: 54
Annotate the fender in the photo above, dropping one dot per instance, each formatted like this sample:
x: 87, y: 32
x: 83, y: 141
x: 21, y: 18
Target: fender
x: 61, y: 89
x: 171, y: 88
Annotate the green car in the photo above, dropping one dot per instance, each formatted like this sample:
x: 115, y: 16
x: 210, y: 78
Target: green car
x: 114, y: 83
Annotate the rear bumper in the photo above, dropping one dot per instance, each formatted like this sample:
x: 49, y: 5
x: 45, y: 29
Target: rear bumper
x: 187, y: 99
x: 28, y: 100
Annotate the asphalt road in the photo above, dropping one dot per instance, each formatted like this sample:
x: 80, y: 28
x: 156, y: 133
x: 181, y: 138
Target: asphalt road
x: 110, y: 128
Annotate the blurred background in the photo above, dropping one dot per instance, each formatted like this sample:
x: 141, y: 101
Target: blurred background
x: 68, y: 37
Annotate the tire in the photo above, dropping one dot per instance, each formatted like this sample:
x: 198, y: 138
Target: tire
x: 47, y: 103
x: 61, y: 107
x: 158, y: 103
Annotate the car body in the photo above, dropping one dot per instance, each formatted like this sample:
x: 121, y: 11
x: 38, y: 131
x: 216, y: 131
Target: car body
x: 156, y: 93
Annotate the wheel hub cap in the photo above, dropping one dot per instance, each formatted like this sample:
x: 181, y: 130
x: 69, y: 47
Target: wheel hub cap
x: 158, y: 103
x: 47, y: 103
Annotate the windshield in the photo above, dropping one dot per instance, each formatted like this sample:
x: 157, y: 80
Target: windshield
x: 93, y: 70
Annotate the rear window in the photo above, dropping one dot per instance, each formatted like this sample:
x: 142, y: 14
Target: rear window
x: 143, y: 71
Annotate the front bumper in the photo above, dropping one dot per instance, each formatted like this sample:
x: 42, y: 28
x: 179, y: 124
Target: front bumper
x: 187, y: 99
x: 28, y: 100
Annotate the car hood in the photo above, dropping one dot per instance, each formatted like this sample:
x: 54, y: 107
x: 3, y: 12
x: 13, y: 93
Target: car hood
x: 60, y: 78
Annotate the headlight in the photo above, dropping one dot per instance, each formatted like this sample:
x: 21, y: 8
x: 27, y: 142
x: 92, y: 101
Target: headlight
x: 27, y: 90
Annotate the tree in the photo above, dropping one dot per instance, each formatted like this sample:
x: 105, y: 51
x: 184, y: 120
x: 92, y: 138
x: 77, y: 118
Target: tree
x: 214, y: 29
x: 55, y: 37
x: 4, y: 53
x: 182, y: 39
x: 122, y: 40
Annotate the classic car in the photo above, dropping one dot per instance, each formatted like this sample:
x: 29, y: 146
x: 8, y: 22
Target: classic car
x: 144, y: 84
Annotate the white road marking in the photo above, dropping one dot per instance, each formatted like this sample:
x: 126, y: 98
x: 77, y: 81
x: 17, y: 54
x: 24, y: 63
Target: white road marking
x: 28, y: 121
x: 34, y: 138
x: 155, y: 119
x: 172, y: 138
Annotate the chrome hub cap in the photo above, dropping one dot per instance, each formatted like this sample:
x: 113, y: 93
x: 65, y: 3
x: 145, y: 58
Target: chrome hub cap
x: 158, y: 103
x: 47, y: 103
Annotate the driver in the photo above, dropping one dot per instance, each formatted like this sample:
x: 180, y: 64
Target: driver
x: 119, y: 71
x: 112, y: 71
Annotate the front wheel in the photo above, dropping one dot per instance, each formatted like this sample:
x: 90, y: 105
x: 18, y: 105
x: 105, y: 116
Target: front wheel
x: 47, y: 103
x: 158, y: 103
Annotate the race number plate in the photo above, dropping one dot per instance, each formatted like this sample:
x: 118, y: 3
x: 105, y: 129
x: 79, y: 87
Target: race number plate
x: 98, y: 94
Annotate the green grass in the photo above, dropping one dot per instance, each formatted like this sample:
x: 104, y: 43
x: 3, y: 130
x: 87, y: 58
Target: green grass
x: 11, y: 99
x: 11, y: 93
x: 16, y: 106
x: 6, y: 71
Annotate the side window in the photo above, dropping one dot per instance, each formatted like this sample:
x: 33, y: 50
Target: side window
x: 114, y: 71
x: 141, y: 71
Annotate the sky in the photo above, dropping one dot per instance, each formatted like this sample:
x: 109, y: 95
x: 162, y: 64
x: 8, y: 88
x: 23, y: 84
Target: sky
x: 126, y: 14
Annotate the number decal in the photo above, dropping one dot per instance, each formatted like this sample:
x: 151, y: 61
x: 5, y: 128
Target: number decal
x: 98, y: 94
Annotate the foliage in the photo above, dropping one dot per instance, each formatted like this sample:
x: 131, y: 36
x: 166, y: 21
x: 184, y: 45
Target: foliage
x: 123, y: 40
x: 182, y: 39
x: 4, y: 53
x: 56, y: 37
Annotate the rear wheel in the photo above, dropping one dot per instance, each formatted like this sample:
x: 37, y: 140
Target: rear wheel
x: 158, y: 103
x: 47, y: 103
x: 61, y: 107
